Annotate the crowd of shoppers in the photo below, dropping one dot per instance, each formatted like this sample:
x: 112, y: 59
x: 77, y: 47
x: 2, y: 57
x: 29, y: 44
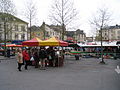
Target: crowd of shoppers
x: 41, y: 57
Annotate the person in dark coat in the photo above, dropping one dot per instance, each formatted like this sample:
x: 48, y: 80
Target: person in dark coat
x: 43, y: 57
x: 52, y: 54
x: 36, y: 58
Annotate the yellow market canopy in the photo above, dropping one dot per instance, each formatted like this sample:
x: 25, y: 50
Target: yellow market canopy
x: 53, y: 42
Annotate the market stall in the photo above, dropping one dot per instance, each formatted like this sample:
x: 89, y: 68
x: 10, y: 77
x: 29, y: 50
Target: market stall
x: 109, y: 49
x: 56, y: 42
x: 49, y: 42
x: 11, y: 49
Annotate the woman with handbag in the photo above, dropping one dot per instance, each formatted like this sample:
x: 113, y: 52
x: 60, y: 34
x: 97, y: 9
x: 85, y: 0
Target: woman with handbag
x: 19, y: 59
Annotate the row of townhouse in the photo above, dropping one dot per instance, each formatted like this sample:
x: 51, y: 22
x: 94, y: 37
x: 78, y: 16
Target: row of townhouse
x: 17, y: 29
x: 110, y: 33
x: 78, y: 35
x: 46, y: 31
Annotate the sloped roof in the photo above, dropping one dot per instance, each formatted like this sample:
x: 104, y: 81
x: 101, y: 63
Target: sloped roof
x: 112, y: 27
x: 16, y: 18
x: 56, y: 28
x: 35, y: 28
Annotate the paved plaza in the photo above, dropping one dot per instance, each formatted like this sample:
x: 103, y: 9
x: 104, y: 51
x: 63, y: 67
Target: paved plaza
x: 84, y: 74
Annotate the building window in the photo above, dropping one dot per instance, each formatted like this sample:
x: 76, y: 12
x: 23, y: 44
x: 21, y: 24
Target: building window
x: 119, y: 32
x: 0, y: 27
x: 23, y: 37
x: 105, y: 34
x: 118, y: 37
x: 7, y: 27
x: 16, y: 27
x: 22, y: 28
x: 112, y: 31
x: 8, y: 36
x: 0, y: 36
x: 47, y: 34
x: 16, y: 36
x: 53, y: 33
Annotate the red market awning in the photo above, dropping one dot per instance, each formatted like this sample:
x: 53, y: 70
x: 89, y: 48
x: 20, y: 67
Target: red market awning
x: 33, y: 42
x: 13, y: 45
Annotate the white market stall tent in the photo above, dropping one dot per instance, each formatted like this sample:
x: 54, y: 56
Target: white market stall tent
x: 98, y: 44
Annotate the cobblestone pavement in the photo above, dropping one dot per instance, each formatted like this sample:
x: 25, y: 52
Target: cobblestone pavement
x: 84, y: 74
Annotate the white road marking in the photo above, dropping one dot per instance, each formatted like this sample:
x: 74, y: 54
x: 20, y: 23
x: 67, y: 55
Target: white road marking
x: 117, y: 69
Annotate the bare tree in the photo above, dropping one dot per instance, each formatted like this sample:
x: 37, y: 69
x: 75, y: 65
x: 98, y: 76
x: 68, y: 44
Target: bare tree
x: 30, y: 13
x: 7, y: 9
x: 7, y: 6
x: 63, y: 13
x: 100, y: 20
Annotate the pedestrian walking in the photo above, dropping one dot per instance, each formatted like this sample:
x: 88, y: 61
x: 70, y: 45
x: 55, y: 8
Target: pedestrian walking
x: 19, y: 59
x: 26, y: 58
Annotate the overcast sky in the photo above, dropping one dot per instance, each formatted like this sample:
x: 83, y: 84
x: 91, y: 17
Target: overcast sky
x: 86, y: 9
